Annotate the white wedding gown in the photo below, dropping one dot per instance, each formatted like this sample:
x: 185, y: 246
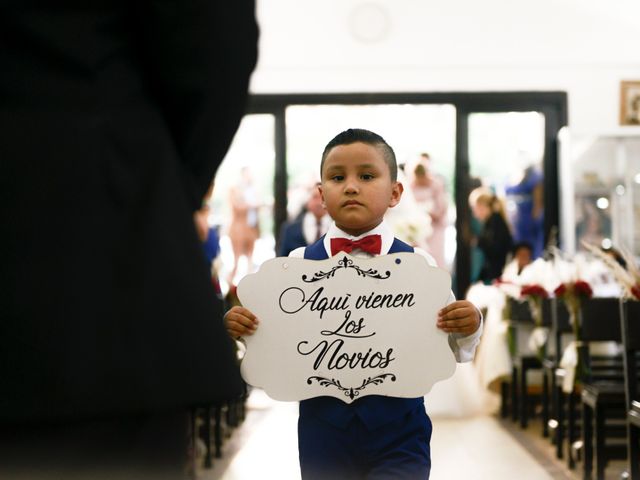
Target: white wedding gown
x: 463, y: 394
x: 468, y: 392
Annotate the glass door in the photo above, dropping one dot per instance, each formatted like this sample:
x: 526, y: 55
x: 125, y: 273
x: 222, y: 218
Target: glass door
x: 437, y: 123
x: 505, y: 153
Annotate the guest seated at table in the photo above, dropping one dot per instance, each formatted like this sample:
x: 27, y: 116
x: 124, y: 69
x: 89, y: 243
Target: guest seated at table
x: 522, y: 256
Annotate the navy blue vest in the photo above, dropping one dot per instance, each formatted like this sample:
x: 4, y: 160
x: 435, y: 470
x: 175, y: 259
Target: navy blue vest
x: 374, y: 410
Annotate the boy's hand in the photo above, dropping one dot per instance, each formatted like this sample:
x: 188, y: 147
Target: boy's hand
x: 459, y: 317
x: 240, y: 321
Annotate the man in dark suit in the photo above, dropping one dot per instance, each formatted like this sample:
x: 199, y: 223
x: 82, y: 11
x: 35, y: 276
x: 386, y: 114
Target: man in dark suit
x: 291, y: 235
x: 310, y: 224
x: 114, y: 117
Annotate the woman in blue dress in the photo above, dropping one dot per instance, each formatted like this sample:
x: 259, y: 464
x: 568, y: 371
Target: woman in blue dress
x: 528, y: 222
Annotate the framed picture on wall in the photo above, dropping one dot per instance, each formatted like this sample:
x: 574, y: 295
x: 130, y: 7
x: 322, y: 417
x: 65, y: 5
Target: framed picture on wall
x: 630, y: 102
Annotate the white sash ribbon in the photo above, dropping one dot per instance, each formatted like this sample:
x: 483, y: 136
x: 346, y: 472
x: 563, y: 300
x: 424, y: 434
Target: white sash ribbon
x: 569, y: 362
x: 538, y: 338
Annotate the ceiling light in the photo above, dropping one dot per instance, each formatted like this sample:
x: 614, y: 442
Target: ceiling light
x: 602, y: 203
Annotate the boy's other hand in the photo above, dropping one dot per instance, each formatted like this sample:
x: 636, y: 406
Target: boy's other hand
x: 239, y: 321
x: 460, y: 317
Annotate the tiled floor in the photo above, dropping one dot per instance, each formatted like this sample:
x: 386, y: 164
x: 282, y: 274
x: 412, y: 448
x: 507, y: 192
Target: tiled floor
x: 479, y: 448
x: 476, y: 448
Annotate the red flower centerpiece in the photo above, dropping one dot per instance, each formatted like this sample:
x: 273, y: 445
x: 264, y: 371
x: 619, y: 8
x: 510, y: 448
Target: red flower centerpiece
x: 534, y: 290
x: 582, y: 289
x: 534, y: 294
x: 572, y: 294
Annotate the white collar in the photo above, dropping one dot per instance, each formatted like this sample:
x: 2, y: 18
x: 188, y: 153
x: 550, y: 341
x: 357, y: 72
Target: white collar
x: 382, y: 229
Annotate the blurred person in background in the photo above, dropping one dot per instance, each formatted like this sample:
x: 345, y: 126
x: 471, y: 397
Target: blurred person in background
x: 528, y: 219
x: 209, y: 237
x: 244, y: 228
x: 429, y: 191
x: 522, y: 256
x: 494, y: 239
x: 307, y: 227
x: 113, y: 120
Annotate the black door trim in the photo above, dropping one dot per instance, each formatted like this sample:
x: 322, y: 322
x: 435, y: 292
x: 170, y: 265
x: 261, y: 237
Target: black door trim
x: 552, y: 104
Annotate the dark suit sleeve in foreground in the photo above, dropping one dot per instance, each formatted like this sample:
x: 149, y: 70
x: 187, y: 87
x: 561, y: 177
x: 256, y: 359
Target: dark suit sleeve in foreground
x: 199, y: 56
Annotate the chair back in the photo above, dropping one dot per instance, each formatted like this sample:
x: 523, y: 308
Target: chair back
x: 630, y: 328
x: 598, y: 320
x: 559, y: 321
x: 519, y: 311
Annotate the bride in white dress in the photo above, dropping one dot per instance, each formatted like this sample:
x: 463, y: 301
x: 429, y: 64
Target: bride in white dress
x: 462, y: 394
x: 471, y: 390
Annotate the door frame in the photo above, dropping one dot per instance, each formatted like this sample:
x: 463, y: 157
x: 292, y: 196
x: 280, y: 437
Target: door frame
x: 552, y: 104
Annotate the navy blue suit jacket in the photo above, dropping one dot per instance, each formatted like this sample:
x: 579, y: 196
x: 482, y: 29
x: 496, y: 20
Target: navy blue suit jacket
x: 373, y: 410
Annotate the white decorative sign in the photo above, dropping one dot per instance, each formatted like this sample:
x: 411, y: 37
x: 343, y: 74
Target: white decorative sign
x: 346, y: 327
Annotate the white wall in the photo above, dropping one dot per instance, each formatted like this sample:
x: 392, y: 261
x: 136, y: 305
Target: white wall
x: 584, y: 47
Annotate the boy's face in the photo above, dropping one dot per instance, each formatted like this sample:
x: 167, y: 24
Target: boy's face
x: 357, y: 188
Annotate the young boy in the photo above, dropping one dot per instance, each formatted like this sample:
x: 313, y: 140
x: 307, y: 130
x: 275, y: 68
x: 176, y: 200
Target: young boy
x: 375, y: 437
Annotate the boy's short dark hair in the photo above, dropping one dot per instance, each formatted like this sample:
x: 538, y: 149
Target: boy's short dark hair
x: 354, y: 135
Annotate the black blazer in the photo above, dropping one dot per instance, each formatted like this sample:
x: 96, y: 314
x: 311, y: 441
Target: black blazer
x: 291, y: 236
x: 495, y: 241
x: 114, y: 116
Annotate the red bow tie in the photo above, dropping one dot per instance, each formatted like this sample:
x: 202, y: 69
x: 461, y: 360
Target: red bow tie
x: 370, y: 243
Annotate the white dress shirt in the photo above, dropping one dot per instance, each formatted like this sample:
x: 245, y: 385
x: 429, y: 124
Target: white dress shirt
x: 463, y: 347
x: 310, y: 226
